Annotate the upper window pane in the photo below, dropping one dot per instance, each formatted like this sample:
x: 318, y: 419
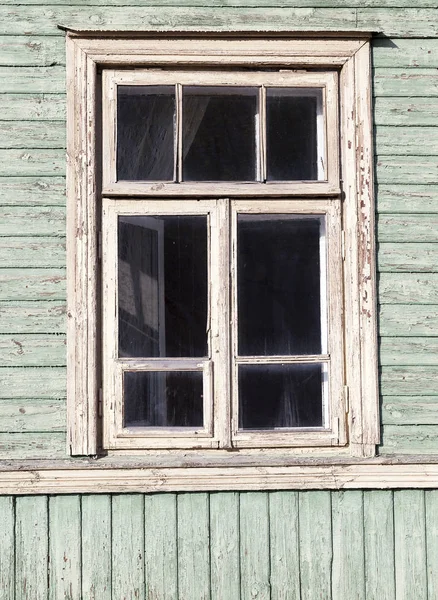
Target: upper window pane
x: 219, y: 133
x: 145, y: 133
x: 294, y: 132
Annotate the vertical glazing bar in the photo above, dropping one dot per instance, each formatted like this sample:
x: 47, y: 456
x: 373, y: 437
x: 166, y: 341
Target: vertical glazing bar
x: 178, y: 134
x: 323, y: 283
x: 261, y: 147
x: 320, y: 135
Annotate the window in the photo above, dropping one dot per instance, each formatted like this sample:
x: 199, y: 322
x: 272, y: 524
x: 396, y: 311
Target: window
x: 221, y: 232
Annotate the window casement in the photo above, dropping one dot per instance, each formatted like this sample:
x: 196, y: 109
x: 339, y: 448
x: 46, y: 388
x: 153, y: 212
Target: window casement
x: 221, y: 253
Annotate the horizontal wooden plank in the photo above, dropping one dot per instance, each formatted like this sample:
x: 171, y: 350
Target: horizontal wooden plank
x: 28, y: 162
x: 409, y: 380
x: 410, y: 410
x: 407, y: 169
x: 235, y: 3
x: 32, y: 382
x: 39, y: 107
x: 408, y: 288
x: 33, y: 80
x: 405, y: 82
x: 32, y: 317
x: 406, y: 199
x: 411, y: 112
x: 30, y: 415
x: 400, y: 258
x: 409, y: 439
x: 32, y: 191
x: 409, y: 141
x: 408, y: 320
x: 32, y: 221
x: 32, y: 284
x: 401, y: 53
x: 403, y: 22
x: 32, y: 350
x: 45, y: 252
x: 408, y: 228
x: 16, y: 446
x: 32, y: 134
x: 402, y: 351
x: 26, y: 50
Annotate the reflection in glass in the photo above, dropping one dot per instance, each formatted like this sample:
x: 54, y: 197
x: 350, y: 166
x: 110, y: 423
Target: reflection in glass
x: 145, y: 133
x: 163, y: 399
x: 279, y: 284
x: 162, y: 286
x: 278, y: 396
x: 294, y: 134
x: 219, y: 133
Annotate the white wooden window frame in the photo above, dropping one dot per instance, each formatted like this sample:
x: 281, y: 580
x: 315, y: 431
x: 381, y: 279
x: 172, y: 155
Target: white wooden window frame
x: 350, y: 55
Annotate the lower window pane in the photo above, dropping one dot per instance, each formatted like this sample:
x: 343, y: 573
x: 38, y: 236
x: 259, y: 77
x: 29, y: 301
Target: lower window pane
x: 163, y: 399
x: 281, y: 396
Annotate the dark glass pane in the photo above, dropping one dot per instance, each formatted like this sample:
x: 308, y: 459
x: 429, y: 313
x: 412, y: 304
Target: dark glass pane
x: 278, y: 278
x: 163, y: 399
x: 292, y: 148
x: 145, y: 132
x: 219, y: 134
x: 162, y: 287
x: 272, y: 396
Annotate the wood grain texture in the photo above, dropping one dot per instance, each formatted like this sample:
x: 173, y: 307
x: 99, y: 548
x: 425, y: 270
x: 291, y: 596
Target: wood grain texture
x: 409, y: 380
x: 32, y: 317
x: 405, y: 82
x: 408, y: 288
x: 32, y: 134
x: 235, y: 3
x: 32, y: 161
x: 128, y: 581
x: 23, y: 446
x: 406, y: 141
x: 33, y: 80
x: 407, y: 199
x: 409, y: 351
x: 407, y: 169
x: 403, y: 53
x: 30, y: 50
x: 401, y: 22
x: 348, y: 546
x: 32, y: 221
x: 407, y: 257
x: 7, y: 547
x: 431, y: 521
x: 161, y: 561
x: 405, y: 111
x: 254, y: 550
x: 284, y: 545
x: 408, y: 320
x: 379, y: 545
x: 64, y: 547
x: 409, y: 439
x: 38, y: 107
x: 31, y: 548
x: 19, y: 252
x: 32, y: 284
x: 30, y: 415
x: 224, y: 544
x: 410, y: 545
x: 408, y: 228
x: 96, y: 547
x: 409, y: 410
x: 32, y: 191
x: 32, y: 382
x: 193, y: 547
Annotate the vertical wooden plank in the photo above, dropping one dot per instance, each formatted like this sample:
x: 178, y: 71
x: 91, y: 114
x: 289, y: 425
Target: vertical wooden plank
x: 7, y: 568
x: 348, y: 575
x: 96, y: 547
x: 379, y: 545
x: 64, y: 547
x: 31, y: 548
x: 410, y: 544
x: 432, y: 542
x: 161, y: 568
x: 224, y: 540
x: 254, y: 546
x: 193, y: 547
x: 128, y: 547
x: 315, y: 527
x: 285, y: 546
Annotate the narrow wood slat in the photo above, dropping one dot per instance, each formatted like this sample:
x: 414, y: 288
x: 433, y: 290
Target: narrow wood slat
x: 32, y: 284
x: 235, y: 3
x: 409, y: 439
x: 31, y: 548
x: 19, y: 252
x: 193, y: 546
x: 405, y: 82
x: 161, y: 562
x: 32, y: 317
x: 406, y: 141
x: 32, y: 134
x: 32, y: 191
x: 408, y: 320
x: 398, y: 22
x: 285, y: 545
x: 316, y: 554
x: 405, y: 111
x: 128, y: 546
x: 409, y: 380
x: 408, y: 257
x: 407, y: 169
x: 27, y: 50
x: 407, y: 199
x: 379, y: 545
x: 408, y: 288
x: 409, y: 410
x: 32, y: 220
x: 32, y: 382
x: 224, y: 545
x: 32, y: 80
x: 34, y: 446
x: 348, y: 545
x: 38, y: 107
x: 96, y: 547
x: 410, y: 544
x: 64, y: 547
x: 409, y: 228
x: 7, y: 547
x: 29, y: 415
x: 409, y: 351
x: 254, y: 545
x: 405, y: 53
x: 31, y: 162
x: 431, y: 516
